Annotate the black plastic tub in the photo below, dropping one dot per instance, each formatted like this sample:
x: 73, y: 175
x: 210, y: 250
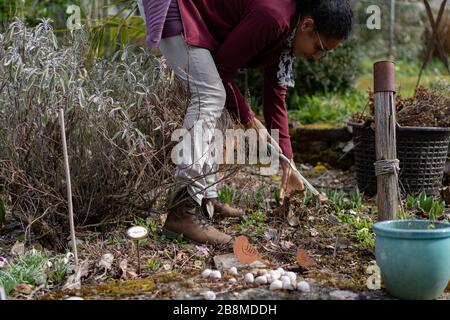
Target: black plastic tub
x: 422, y: 152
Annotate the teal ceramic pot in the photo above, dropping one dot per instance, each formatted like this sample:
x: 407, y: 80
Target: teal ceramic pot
x: 414, y: 257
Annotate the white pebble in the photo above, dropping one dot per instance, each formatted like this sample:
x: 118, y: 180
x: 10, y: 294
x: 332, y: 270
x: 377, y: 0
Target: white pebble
x: 216, y: 274
x: 206, y: 273
x: 261, y: 280
x: 285, y: 279
x: 233, y: 271
x: 281, y: 271
x: 249, y: 278
x: 276, y: 285
x: 232, y: 280
x: 291, y: 276
x: 287, y: 285
x: 303, y: 286
x: 294, y: 283
x: 276, y: 275
x: 209, y: 295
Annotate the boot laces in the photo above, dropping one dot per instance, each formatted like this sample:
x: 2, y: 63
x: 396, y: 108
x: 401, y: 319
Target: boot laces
x: 204, y: 222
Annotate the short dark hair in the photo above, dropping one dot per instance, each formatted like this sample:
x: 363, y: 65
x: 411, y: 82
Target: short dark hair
x: 333, y: 18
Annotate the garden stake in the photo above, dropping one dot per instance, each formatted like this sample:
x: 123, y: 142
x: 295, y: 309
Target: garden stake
x: 2, y: 293
x: 387, y: 164
x: 69, y: 186
x: 137, y: 233
x: 308, y: 185
x: 138, y: 257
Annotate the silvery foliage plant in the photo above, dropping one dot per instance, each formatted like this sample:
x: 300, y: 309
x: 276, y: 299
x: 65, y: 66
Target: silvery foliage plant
x: 119, y: 114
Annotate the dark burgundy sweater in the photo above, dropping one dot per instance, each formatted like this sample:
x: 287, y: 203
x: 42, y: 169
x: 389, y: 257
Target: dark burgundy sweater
x: 245, y: 34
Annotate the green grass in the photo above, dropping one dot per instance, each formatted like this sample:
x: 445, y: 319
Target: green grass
x: 405, y: 68
x: 356, y: 200
x: 260, y: 197
x: 59, y: 271
x: 333, y: 108
x: 337, y: 199
x: 255, y: 222
x: 226, y: 195
x: 340, y: 201
x: 407, y: 73
x: 116, y: 239
x: 152, y: 225
x: 34, y: 268
x: 307, y: 197
x: 432, y: 207
x: 346, y: 208
x: 277, y: 195
x: 153, y: 264
x: 362, y: 228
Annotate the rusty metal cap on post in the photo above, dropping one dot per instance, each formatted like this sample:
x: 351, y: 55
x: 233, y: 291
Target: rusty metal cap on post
x: 384, y: 76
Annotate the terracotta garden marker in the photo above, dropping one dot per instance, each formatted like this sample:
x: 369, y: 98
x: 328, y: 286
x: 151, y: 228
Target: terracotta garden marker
x: 304, y: 260
x: 244, y: 251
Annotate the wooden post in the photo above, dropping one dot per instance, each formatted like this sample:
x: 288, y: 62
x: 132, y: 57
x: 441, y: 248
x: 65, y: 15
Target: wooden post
x: 385, y: 137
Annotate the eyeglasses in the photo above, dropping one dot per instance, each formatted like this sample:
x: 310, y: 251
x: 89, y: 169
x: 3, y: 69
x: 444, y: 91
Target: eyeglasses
x: 323, y: 51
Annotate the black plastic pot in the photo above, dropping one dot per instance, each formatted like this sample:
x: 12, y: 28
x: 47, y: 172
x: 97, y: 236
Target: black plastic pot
x: 422, y: 152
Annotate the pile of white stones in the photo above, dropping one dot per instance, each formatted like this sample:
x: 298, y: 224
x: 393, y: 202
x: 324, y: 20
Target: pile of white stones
x: 278, y: 279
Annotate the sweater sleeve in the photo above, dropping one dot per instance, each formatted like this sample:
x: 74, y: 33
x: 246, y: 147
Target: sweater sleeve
x: 274, y: 108
x: 257, y: 30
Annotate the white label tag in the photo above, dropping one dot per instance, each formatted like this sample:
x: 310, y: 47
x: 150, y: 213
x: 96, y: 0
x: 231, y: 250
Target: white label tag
x: 137, y: 232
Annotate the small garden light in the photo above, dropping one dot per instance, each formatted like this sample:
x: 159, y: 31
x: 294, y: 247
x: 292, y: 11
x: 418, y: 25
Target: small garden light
x: 137, y: 233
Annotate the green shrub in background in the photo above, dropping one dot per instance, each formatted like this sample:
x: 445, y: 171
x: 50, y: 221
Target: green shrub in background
x: 336, y: 72
x: 111, y: 24
x: 31, y: 11
x: 116, y: 31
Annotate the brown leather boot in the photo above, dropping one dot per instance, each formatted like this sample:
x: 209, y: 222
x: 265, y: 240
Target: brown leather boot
x: 186, y: 218
x: 213, y: 207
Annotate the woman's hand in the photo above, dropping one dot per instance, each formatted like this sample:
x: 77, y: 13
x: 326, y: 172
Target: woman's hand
x: 290, y: 182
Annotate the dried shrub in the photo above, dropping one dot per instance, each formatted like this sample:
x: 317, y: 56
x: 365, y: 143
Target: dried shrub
x: 119, y: 115
x: 427, y: 108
